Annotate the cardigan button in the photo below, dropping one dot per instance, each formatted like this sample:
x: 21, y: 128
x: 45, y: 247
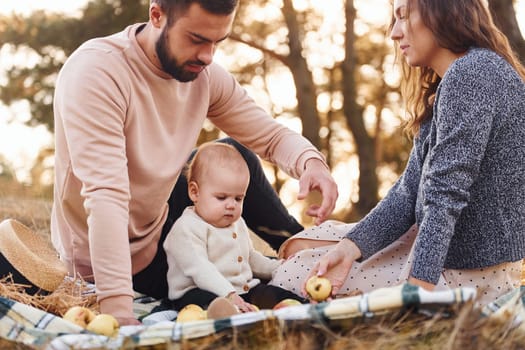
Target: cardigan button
x: 239, y: 259
x: 246, y: 288
x: 234, y: 235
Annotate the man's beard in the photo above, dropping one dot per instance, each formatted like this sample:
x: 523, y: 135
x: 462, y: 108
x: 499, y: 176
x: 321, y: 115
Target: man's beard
x: 169, y: 63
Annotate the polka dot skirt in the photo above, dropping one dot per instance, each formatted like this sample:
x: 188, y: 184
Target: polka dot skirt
x: 386, y: 268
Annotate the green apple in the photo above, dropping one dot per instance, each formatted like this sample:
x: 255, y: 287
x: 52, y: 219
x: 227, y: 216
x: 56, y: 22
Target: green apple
x: 79, y: 315
x: 191, y: 312
x: 318, y: 288
x: 104, y: 324
x: 285, y: 303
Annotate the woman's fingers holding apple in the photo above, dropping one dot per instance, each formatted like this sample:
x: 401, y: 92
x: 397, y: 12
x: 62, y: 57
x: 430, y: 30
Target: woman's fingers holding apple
x: 318, y: 288
x: 335, y: 265
x: 339, y: 263
x: 313, y: 272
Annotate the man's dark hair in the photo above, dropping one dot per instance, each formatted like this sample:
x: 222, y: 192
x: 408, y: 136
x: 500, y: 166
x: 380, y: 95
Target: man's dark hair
x: 177, y: 8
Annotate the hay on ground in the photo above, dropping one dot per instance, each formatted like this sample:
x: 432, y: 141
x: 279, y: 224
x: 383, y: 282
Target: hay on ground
x: 70, y: 293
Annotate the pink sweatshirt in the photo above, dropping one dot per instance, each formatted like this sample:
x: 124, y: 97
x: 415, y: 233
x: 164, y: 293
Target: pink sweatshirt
x: 124, y: 130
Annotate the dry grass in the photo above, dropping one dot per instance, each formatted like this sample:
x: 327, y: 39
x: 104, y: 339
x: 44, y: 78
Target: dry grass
x: 450, y: 328
x: 69, y: 293
x: 32, y: 212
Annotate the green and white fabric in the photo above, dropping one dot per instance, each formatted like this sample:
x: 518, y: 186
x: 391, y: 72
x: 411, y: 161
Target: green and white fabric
x: 40, y: 330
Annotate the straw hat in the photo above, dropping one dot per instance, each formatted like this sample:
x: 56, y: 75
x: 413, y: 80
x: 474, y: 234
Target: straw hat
x: 29, y: 258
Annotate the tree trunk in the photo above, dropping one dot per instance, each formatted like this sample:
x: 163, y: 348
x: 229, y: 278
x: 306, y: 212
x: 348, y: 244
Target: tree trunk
x: 368, y: 183
x: 304, y: 84
x: 504, y: 16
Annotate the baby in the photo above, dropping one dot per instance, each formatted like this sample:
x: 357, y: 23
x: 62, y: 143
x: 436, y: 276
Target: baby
x: 209, y: 250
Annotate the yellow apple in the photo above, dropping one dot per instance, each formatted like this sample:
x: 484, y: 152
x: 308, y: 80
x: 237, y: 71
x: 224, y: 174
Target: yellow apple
x: 191, y: 312
x: 79, y: 315
x: 285, y: 303
x: 318, y: 288
x: 104, y: 324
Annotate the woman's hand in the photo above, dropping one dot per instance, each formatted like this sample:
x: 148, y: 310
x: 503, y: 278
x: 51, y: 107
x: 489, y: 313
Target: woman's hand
x: 336, y: 264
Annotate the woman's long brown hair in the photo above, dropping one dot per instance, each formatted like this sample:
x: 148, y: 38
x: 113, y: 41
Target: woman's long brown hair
x: 457, y: 25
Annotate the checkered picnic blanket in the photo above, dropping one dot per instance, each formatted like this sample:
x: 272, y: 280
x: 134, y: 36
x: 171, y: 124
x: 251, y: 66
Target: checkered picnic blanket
x: 24, y: 324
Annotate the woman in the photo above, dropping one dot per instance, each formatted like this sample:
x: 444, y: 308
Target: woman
x: 456, y: 216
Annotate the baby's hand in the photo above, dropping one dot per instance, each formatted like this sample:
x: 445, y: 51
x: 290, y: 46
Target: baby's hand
x: 242, y: 305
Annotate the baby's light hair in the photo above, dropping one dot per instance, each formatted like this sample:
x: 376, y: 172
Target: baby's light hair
x: 213, y: 155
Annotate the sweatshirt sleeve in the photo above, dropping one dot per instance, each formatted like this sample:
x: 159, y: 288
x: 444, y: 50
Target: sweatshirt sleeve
x: 394, y: 214
x: 237, y: 114
x: 92, y: 107
x: 464, y: 111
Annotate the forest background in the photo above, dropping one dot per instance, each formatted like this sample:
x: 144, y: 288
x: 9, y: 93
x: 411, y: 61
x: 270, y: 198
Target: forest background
x: 324, y: 68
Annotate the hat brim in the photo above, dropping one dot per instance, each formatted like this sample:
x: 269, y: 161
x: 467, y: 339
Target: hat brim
x: 29, y: 258
x: 8, y: 270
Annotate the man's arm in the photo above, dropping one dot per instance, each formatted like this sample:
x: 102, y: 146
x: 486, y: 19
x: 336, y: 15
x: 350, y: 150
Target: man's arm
x: 91, y: 116
x: 237, y: 114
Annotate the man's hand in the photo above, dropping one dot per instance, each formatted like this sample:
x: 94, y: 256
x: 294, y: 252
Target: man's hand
x: 317, y: 177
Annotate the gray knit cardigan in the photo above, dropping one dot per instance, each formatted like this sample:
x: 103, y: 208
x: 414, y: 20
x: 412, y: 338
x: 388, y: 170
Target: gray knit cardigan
x: 464, y: 183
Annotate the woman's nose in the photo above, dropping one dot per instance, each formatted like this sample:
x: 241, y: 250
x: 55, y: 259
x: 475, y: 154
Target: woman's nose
x: 396, y: 32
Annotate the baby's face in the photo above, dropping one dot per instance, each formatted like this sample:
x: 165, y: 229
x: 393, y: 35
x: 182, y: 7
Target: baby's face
x: 221, y: 196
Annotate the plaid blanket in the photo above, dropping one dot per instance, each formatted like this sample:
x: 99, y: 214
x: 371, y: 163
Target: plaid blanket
x: 40, y: 330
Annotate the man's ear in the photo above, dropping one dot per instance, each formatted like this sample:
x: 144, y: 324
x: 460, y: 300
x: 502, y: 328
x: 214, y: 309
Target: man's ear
x: 193, y: 191
x: 156, y: 15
